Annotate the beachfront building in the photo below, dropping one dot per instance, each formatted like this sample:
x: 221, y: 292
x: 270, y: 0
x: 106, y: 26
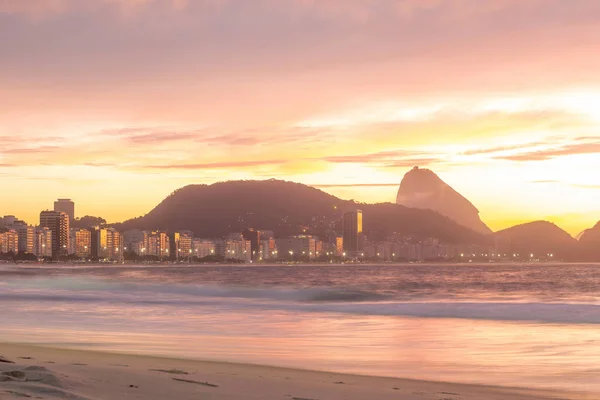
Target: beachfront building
x: 136, y: 241
x: 107, y: 244
x: 158, y: 245
x: 9, y: 242
x: 352, y: 233
x: 80, y: 243
x: 299, y: 246
x: 58, y: 223
x: 180, y: 245
x: 203, y: 248
x: 42, y: 246
x: 26, y: 234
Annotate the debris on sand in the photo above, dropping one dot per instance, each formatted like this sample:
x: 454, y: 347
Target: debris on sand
x: 171, y: 371
x: 195, y: 382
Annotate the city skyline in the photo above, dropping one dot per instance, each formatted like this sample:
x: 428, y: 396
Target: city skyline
x: 343, y: 95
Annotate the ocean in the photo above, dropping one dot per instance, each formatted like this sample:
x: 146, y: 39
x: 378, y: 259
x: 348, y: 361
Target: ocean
x: 534, y: 325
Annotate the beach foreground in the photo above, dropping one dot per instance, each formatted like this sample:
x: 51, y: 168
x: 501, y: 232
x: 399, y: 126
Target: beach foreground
x: 48, y: 373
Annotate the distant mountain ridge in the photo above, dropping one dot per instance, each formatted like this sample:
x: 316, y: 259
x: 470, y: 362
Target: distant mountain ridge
x: 589, y: 242
x: 289, y: 208
x: 540, y: 238
x: 422, y: 188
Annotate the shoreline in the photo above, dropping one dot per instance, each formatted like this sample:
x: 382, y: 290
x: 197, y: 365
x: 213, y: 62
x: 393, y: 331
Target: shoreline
x: 59, y: 373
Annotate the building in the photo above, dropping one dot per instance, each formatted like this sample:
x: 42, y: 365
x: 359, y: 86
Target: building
x: 299, y: 246
x: 352, y: 233
x: 238, y: 250
x: 339, y: 246
x: 7, y: 221
x: 158, y: 245
x: 268, y: 249
x: 81, y: 243
x: 180, y: 245
x: 107, y: 244
x: 26, y: 235
x: 253, y: 237
x: 43, y: 242
x: 136, y: 241
x: 116, y: 243
x: 58, y: 223
x: 203, y: 248
x: 67, y: 206
x: 9, y: 242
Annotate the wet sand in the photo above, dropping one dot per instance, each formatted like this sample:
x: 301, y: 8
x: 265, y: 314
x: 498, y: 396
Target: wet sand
x: 48, y: 373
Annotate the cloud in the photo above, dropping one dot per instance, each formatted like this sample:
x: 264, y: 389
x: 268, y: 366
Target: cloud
x: 371, y: 157
x: 218, y: 165
x: 566, y: 150
x: 585, y: 186
x: 502, y: 149
x: 341, y: 185
x: 389, y: 159
x: 30, y: 150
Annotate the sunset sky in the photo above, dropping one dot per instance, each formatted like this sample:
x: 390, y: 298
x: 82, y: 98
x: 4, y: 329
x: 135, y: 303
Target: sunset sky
x: 116, y: 103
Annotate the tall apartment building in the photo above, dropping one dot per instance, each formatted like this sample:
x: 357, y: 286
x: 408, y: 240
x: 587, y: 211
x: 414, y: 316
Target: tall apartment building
x: 352, y: 233
x: 158, y: 244
x: 203, y: 248
x: 43, y: 242
x: 117, y: 248
x: 268, y: 249
x: 107, y: 244
x: 67, y: 206
x: 80, y: 242
x: 26, y: 235
x: 9, y: 242
x: 58, y: 223
x: 254, y: 238
x: 299, y: 246
x: 180, y: 244
x: 136, y: 241
x: 239, y: 250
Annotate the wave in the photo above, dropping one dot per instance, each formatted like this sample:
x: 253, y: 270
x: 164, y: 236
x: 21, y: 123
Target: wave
x: 195, y: 298
x: 72, y: 286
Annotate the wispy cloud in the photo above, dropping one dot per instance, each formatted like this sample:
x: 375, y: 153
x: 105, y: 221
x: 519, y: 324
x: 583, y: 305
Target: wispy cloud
x: 350, y: 185
x: 30, y: 150
x: 218, y: 165
x: 566, y: 150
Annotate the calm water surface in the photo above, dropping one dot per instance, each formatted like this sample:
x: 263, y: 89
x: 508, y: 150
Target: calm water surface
x: 519, y: 325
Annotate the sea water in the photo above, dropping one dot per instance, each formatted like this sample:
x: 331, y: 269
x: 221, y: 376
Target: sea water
x: 530, y: 325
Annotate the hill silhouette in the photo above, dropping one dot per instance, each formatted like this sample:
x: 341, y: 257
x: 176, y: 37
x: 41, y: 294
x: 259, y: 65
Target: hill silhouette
x: 540, y: 238
x: 422, y: 188
x: 288, y: 208
x: 589, y: 243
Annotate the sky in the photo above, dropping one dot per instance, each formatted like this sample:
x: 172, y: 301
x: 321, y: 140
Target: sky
x: 117, y: 103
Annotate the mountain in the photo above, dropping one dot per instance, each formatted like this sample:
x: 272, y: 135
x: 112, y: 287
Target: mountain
x: 87, y: 222
x: 589, y: 243
x: 540, y: 238
x: 422, y: 188
x: 288, y: 208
